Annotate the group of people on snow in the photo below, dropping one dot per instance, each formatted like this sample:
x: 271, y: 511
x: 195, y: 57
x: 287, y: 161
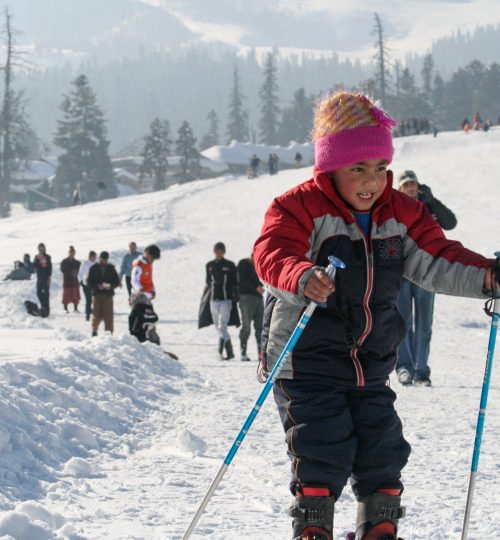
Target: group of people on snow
x: 98, y: 279
x: 228, y: 286
x: 254, y: 164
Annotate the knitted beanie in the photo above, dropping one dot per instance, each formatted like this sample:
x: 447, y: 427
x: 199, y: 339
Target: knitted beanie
x: 349, y: 128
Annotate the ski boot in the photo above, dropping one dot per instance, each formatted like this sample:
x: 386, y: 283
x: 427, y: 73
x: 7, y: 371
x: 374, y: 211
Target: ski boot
x: 313, y: 514
x: 378, y: 517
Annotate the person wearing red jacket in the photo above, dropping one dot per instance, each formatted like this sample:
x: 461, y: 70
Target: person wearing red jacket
x: 333, y: 395
x: 142, y: 272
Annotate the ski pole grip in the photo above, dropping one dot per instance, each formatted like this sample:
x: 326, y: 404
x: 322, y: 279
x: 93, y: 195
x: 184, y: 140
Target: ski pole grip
x: 332, y: 267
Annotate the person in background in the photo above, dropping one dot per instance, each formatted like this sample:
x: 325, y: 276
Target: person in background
x: 253, y: 168
x: 71, y: 286
x: 298, y: 159
x: 251, y: 304
x: 218, y: 303
x: 416, y: 304
x: 83, y: 275
x: 126, y: 266
x: 142, y: 272
x: 102, y: 281
x: 142, y: 319
x: 28, y: 264
x: 42, y: 263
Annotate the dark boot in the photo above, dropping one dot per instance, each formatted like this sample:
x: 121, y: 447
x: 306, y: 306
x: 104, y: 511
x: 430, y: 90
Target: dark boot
x: 243, y: 351
x: 312, y: 518
x: 378, y: 517
x: 229, y: 350
x: 66, y: 308
x: 221, y: 349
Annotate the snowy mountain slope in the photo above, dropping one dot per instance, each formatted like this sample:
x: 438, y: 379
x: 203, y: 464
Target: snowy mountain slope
x: 117, y: 28
x: 106, y: 438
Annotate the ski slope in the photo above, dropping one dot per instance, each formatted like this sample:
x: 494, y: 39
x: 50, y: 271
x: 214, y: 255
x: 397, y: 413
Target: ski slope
x: 108, y: 438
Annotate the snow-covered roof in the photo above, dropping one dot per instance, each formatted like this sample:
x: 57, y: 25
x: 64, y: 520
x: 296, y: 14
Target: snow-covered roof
x: 238, y: 153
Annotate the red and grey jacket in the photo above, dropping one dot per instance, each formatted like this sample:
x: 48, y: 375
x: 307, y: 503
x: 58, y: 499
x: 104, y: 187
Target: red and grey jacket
x: 353, y: 341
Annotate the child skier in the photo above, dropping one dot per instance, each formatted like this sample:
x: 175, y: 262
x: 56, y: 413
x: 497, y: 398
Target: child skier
x: 333, y: 395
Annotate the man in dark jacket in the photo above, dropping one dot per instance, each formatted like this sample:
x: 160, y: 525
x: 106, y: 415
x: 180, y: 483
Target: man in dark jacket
x: 413, y: 353
x: 251, y: 304
x: 43, y: 268
x: 222, y: 280
x: 102, y: 281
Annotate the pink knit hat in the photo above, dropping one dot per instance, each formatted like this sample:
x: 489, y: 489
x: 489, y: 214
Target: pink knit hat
x: 349, y: 128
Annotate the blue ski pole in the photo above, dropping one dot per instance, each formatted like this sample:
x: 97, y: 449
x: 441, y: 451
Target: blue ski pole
x: 330, y: 271
x: 495, y: 316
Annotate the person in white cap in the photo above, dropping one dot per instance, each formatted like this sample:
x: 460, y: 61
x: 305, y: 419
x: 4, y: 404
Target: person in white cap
x: 416, y: 304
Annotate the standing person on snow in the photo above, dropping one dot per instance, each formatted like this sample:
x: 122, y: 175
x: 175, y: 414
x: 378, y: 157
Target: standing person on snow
x: 102, y: 281
x: 333, y: 397
x: 42, y: 263
x: 141, y: 278
x: 219, y: 300
x: 83, y: 275
x: 251, y: 304
x: 126, y: 266
x: 413, y: 353
x: 71, y: 287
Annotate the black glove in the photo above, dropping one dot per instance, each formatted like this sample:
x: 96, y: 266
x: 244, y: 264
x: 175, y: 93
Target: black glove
x: 425, y: 194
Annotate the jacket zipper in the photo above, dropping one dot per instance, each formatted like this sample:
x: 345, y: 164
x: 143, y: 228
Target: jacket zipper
x: 360, y: 378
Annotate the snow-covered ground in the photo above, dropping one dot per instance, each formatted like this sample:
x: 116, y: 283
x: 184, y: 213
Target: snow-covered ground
x: 108, y: 438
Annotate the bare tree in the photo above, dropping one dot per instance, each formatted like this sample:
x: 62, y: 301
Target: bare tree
x: 14, y: 128
x: 381, y: 57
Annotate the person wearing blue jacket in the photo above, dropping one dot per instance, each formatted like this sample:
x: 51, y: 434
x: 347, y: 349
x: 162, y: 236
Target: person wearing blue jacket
x: 126, y: 267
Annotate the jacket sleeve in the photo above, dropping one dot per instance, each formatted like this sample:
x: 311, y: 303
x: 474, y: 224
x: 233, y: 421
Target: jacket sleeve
x: 91, y: 280
x: 123, y: 266
x: 115, y: 280
x: 438, y: 264
x: 280, y: 251
x: 445, y: 217
x: 49, y: 265
x: 135, y: 278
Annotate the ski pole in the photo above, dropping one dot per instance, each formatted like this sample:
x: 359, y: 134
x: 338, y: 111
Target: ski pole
x: 299, y: 328
x: 495, y: 316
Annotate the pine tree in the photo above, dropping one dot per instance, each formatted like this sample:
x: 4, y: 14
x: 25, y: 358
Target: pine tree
x: 438, y: 97
x: 155, y: 153
x: 237, y: 127
x: 269, y: 108
x: 85, y: 163
x: 381, y: 58
x: 212, y: 137
x: 427, y: 70
x: 189, y: 156
x: 488, y: 92
x: 296, y: 120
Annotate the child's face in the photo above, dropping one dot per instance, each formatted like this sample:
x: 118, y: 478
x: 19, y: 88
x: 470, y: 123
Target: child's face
x: 361, y: 184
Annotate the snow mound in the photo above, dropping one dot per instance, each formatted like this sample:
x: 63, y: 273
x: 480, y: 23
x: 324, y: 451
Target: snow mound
x: 190, y: 443
x: 77, y: 402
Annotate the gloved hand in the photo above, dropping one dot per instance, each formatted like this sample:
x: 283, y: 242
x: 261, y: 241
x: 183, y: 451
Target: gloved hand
x: 425, y: 194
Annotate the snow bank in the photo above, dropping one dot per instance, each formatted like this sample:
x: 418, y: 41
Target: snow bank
x: 59, y: 412
x: 237, y: 153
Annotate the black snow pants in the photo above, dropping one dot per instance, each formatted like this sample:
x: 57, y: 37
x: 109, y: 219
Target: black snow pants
x: 334, y: 434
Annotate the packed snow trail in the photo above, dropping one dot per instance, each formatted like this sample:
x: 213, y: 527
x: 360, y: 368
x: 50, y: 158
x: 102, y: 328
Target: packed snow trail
x: 148, y: 470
